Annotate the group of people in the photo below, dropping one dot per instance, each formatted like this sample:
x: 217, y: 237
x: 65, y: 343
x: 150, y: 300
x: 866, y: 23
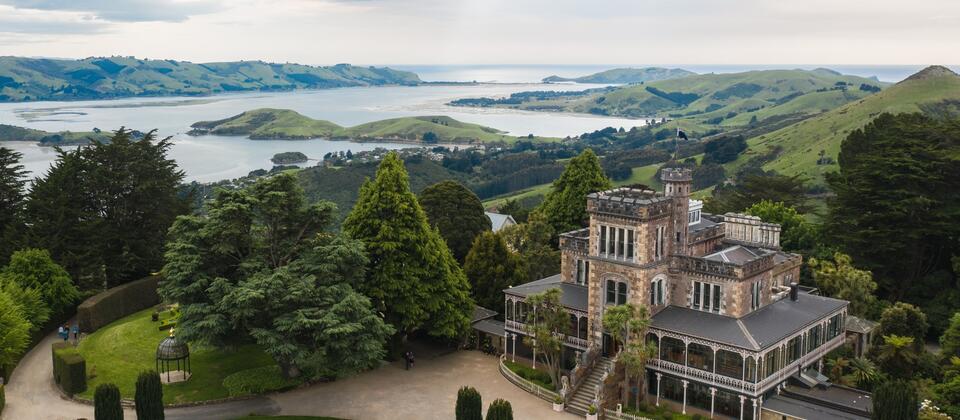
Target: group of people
x: 66, y: 330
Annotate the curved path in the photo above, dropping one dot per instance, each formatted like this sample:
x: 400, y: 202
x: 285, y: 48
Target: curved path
x: 428, y: 391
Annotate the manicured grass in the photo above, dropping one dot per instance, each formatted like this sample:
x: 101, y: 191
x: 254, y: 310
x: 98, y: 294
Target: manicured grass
x: 118, y: 352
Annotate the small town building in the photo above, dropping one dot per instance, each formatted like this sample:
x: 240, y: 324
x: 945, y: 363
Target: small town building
x: 499, y: 221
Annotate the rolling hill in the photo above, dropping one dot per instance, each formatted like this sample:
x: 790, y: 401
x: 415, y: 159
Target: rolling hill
x: 721, y: 100
x: 33, y: 79
x: 935, y: 90
x: 46, y: 138
x: 625, y: 76
x: 269, y: 123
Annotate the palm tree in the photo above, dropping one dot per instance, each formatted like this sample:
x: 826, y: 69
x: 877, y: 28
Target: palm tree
x: 897, y: 356
x: 864, y: 372
x: 628, y: 324
x: 836, y: 367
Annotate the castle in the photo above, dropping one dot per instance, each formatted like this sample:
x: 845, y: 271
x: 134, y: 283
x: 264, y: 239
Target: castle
x: 729, y: 321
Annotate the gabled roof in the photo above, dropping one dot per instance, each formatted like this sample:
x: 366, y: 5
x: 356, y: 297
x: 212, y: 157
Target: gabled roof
x: 480, y: 313
x: 737, y: 254
x: 499, y: 221
x: 859, y: 325
x: 755, y: 331
x: 573, y: 296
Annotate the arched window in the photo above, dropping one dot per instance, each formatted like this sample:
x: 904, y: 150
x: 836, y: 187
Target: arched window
x: 616, y: 292
x: 656, y: 292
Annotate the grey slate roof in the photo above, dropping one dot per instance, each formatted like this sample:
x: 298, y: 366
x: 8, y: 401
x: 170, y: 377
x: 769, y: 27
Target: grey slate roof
x: 573, y: 296
x: 756, y: 331
x: 499, y: 221
x: 490, y: 326
x: 480, y: 313
x: 806, y: 410
x: 859, y: 325
x: 737, y: 254
x: 704, y: 223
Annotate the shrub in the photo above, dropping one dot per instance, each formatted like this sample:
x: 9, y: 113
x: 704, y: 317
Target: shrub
x: 895, y: 400
x: 500, y: 410
x: 106, y: 403
x: 469, y: 404
x: 69, y: 369
x: 117, y: 303
x: 538, y: 377
x: 149, y: 396
x: 258, y: 381
x: 592, y: 409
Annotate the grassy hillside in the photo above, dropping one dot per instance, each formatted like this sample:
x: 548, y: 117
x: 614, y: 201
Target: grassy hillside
x: 269, y: 123
x: 46, y: 138
x: 625, y: 75
x: 721, y: 100
x: 799, y: 145
x: 32, y: 79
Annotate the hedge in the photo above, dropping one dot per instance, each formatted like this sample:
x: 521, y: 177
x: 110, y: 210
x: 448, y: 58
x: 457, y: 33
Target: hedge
x: 69, y: 369
x: 3, y: 399
x: 258, y: 381
x: 118, y: 302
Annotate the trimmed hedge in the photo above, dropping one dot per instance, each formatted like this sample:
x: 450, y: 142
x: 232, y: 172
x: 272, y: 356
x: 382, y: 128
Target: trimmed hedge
x: 3, y: 399
x: 118, y: 302
x: 69, y: 369
x: 258, y: 381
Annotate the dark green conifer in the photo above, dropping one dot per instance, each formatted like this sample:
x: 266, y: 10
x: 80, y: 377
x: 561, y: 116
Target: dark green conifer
x: 106, y: 403
x: 469, y: 404
x: 149, y: 396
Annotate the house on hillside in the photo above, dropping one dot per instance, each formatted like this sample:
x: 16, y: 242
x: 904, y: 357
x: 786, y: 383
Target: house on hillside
x: 499, y: 221
x: 731, y: 326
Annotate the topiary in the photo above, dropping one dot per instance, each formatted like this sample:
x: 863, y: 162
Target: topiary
x: 106, y: 403
x: 469, y: 404
x: 149, y: 396
x: 500, y: 410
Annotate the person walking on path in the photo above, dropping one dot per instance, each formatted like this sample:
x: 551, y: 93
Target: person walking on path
x: 408, y: 358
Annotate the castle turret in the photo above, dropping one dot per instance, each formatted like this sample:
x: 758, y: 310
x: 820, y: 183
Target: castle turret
x: 677, y: 183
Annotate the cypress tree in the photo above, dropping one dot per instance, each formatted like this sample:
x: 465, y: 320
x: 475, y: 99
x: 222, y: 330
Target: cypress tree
x: 12, y: 181
x: 149, y: 396
x: 106, y: 403
x: 469, y: 404
x: 565, y: 206
x: 895, y: 400
x: 500, y: 410
x: 412, y: 277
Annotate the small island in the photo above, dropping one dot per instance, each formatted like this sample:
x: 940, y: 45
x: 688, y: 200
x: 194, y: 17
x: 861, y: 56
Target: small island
x: 288, y: 158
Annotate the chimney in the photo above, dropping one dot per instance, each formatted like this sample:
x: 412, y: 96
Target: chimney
x: 794, y: 291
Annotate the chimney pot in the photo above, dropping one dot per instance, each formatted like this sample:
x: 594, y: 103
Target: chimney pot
x: 794, y: 291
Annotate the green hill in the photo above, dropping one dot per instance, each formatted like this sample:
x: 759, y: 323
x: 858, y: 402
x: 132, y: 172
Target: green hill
x: 269, y: 123
x: 32, y: 79
x: 625, y: 75
x: 721, y: 100
x: 797, y: 147
x: 46, y: 138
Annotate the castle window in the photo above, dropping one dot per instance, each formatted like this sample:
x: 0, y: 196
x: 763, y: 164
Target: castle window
x: 630, y: 245
x: 656, y: 292
x: 603, y: 240
x: 706, y: 296
x: 755, y: 295
x: 583, y: 272
x: 616, y: 292
x: 621, y: 238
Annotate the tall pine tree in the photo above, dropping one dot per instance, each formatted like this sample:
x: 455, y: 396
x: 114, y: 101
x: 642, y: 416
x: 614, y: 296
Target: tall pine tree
x: 565, y: 206
x: 412, y: 277
x: 12, y: 181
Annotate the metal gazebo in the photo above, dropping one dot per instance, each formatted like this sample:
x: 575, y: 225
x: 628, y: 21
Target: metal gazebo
x: 172, y: 350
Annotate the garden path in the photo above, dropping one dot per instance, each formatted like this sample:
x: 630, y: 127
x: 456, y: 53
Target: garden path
x: 428, y: 391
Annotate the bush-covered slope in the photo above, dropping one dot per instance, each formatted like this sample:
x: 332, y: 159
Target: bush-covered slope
x: 446, y: 129
x: 268, y: 123
x: 31, y: 79
x: 934, y: 90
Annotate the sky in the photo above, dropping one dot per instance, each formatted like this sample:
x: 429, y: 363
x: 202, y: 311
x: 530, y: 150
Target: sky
x: 324, y: 32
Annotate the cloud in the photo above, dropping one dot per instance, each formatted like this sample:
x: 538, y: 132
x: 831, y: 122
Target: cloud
x: 32, y: 22
x: 124, y: 10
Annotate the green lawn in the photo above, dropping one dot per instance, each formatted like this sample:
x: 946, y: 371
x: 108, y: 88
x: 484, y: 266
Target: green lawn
x: 118, y: 352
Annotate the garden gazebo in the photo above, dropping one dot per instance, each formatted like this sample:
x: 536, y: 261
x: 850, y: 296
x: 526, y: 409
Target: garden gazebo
x: 169, y: 351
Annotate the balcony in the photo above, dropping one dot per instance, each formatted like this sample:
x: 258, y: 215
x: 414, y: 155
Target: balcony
x: 739, y: 385
x: 568, y: 340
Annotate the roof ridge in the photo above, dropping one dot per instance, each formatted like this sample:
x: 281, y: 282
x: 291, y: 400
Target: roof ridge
x: 748, y: 335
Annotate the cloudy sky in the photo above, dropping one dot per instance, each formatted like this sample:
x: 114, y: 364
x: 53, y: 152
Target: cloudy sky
x: 490, y: 31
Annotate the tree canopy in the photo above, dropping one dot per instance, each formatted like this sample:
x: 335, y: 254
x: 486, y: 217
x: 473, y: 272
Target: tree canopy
x: 905, y: 320
x: 12, y: 181
x: 565, y: 206
x: 14, y: 331
x: 546, y: 326
x: 796, y: 234
x: 896, y: 202
x: 531, y: 240
x: 412, y: 276
x: 260, y: 266
x: 754, y: 188
x: 491, y: 267
x: 35, y: 269
x: 840, y: 279
x: 103, y: 210
x: 457, y: 212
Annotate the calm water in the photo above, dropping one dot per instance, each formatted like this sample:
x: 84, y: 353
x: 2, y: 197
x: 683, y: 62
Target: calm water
x: 210, y: 158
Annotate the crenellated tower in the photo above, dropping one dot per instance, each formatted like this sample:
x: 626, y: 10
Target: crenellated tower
x: 677, y: 183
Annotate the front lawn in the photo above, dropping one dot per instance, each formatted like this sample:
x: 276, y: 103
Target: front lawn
x: 539, y: 377
x: 118, y: 352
